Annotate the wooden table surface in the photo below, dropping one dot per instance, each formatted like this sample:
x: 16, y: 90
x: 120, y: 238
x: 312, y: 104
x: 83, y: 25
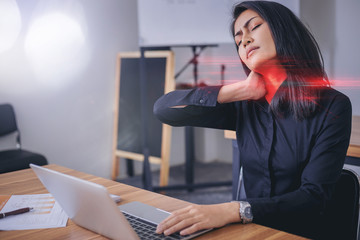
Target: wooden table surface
x: 26, y: 182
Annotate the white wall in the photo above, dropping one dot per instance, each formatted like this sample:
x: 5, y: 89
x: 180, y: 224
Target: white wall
x: 347, y: 49
x: 71, y: 124
x: 334, y: 24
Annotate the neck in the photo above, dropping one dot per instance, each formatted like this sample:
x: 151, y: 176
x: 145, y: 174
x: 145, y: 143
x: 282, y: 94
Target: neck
x: 273, y: 76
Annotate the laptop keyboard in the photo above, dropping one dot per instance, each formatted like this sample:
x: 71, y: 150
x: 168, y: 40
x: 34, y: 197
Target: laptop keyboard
x: 146, y: 230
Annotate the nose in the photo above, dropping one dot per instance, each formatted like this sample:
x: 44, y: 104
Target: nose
x: 247, y: 39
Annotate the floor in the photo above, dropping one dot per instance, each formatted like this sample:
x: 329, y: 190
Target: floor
x: 204, y: 172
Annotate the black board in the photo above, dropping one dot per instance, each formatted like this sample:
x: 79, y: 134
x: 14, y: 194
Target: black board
x: 129, y: 136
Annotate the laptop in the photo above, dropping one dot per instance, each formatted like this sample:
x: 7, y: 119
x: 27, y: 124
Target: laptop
x: 90, y: 205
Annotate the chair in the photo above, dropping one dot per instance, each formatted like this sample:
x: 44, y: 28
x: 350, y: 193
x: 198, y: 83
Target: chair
x: 342, y: 212
x: 17, y: 158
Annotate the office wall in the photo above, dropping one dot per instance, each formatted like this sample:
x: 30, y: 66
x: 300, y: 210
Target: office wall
x: 334, y: 24
x: 347, y: 49
x: 70, y: 121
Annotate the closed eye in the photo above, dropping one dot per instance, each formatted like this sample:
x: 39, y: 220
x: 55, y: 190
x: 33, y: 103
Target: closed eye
x: 238, y: 45
x: 256, y: 27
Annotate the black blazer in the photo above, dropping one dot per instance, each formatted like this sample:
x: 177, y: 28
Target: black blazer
x: 290, y: 167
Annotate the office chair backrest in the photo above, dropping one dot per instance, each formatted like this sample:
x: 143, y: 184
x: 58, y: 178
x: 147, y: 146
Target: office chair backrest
x: 342, y: 212
x: 14, y: 159
x: 7, y: 119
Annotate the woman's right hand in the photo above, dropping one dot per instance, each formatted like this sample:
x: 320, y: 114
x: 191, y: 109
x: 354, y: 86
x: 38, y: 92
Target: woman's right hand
x: 255, y: 85
x: 253, y: 88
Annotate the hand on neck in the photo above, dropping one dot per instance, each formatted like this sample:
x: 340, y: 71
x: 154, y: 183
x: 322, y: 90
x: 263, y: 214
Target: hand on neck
x: 274, y: 75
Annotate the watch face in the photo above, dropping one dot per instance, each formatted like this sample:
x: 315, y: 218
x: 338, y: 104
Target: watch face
x: 248, y: 212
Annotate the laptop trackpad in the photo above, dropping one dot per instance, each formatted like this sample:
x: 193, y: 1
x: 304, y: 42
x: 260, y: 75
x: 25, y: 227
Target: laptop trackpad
x: 144, y: 211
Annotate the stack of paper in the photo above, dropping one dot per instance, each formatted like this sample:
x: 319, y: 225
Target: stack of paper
x: 47, y: 213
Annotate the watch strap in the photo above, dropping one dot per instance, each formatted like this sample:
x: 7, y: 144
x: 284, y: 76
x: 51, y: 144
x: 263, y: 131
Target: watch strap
x: 245, y: 212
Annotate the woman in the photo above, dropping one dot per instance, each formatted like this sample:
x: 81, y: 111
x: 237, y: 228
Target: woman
x: 292, y: 129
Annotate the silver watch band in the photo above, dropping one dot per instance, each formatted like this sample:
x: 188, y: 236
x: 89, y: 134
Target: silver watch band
x: 245, y: 212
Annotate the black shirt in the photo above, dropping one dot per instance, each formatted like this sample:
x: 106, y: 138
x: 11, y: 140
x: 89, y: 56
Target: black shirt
x: 290, y: 167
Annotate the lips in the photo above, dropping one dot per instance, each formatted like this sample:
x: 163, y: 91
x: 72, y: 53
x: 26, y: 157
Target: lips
x: 250, y: 51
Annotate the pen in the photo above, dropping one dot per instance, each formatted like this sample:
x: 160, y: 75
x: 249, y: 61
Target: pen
x: 15, y: 212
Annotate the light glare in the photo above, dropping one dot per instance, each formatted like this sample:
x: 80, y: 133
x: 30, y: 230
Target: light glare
x: 56, y: 48
x: 10, y: 24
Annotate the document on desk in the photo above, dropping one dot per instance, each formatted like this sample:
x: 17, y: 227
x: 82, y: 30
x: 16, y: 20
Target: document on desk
x: 46, y: 212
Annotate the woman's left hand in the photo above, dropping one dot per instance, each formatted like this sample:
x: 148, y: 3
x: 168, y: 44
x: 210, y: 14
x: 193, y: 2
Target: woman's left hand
x: 198, y: 217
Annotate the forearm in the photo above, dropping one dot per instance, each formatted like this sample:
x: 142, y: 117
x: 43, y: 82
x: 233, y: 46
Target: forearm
x: 196, y: 107
x: 234, y: 92
x: 230, y: 212
x: 306, y: 199
x: 298, y: 212
x: 252, y: 88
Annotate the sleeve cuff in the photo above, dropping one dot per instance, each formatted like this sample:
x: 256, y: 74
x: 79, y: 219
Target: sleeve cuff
x: 206, y: 96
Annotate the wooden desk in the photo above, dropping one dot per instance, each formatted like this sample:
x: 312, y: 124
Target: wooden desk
x: 26, y: 182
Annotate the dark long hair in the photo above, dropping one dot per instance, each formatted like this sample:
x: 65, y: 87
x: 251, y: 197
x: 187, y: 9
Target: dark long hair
x: 297, y: 51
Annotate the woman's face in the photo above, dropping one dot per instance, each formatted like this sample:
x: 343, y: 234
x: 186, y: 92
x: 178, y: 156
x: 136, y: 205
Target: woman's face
x: 254, y: 39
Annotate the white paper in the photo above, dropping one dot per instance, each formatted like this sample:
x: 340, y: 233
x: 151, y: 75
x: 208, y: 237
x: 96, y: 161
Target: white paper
x: 47, y: 213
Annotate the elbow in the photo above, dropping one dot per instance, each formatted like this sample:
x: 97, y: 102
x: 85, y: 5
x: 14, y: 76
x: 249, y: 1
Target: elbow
x: 158, y: 110
x: 168, y: 116
x: 162, y: 112
x: 315, y: 198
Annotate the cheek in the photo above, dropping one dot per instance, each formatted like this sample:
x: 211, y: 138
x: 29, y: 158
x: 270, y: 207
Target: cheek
x: 242, y: 54
x: 271, y: 51
x: 274, y: 50
x: 271, y: 45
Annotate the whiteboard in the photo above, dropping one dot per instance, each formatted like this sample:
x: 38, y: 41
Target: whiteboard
x: 188, y: 22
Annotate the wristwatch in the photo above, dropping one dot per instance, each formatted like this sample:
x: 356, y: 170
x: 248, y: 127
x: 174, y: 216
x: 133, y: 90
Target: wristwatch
x: 245, y: 212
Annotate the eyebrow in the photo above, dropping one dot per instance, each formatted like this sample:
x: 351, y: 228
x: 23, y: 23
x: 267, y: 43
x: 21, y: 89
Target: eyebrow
x: 245, y: 26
